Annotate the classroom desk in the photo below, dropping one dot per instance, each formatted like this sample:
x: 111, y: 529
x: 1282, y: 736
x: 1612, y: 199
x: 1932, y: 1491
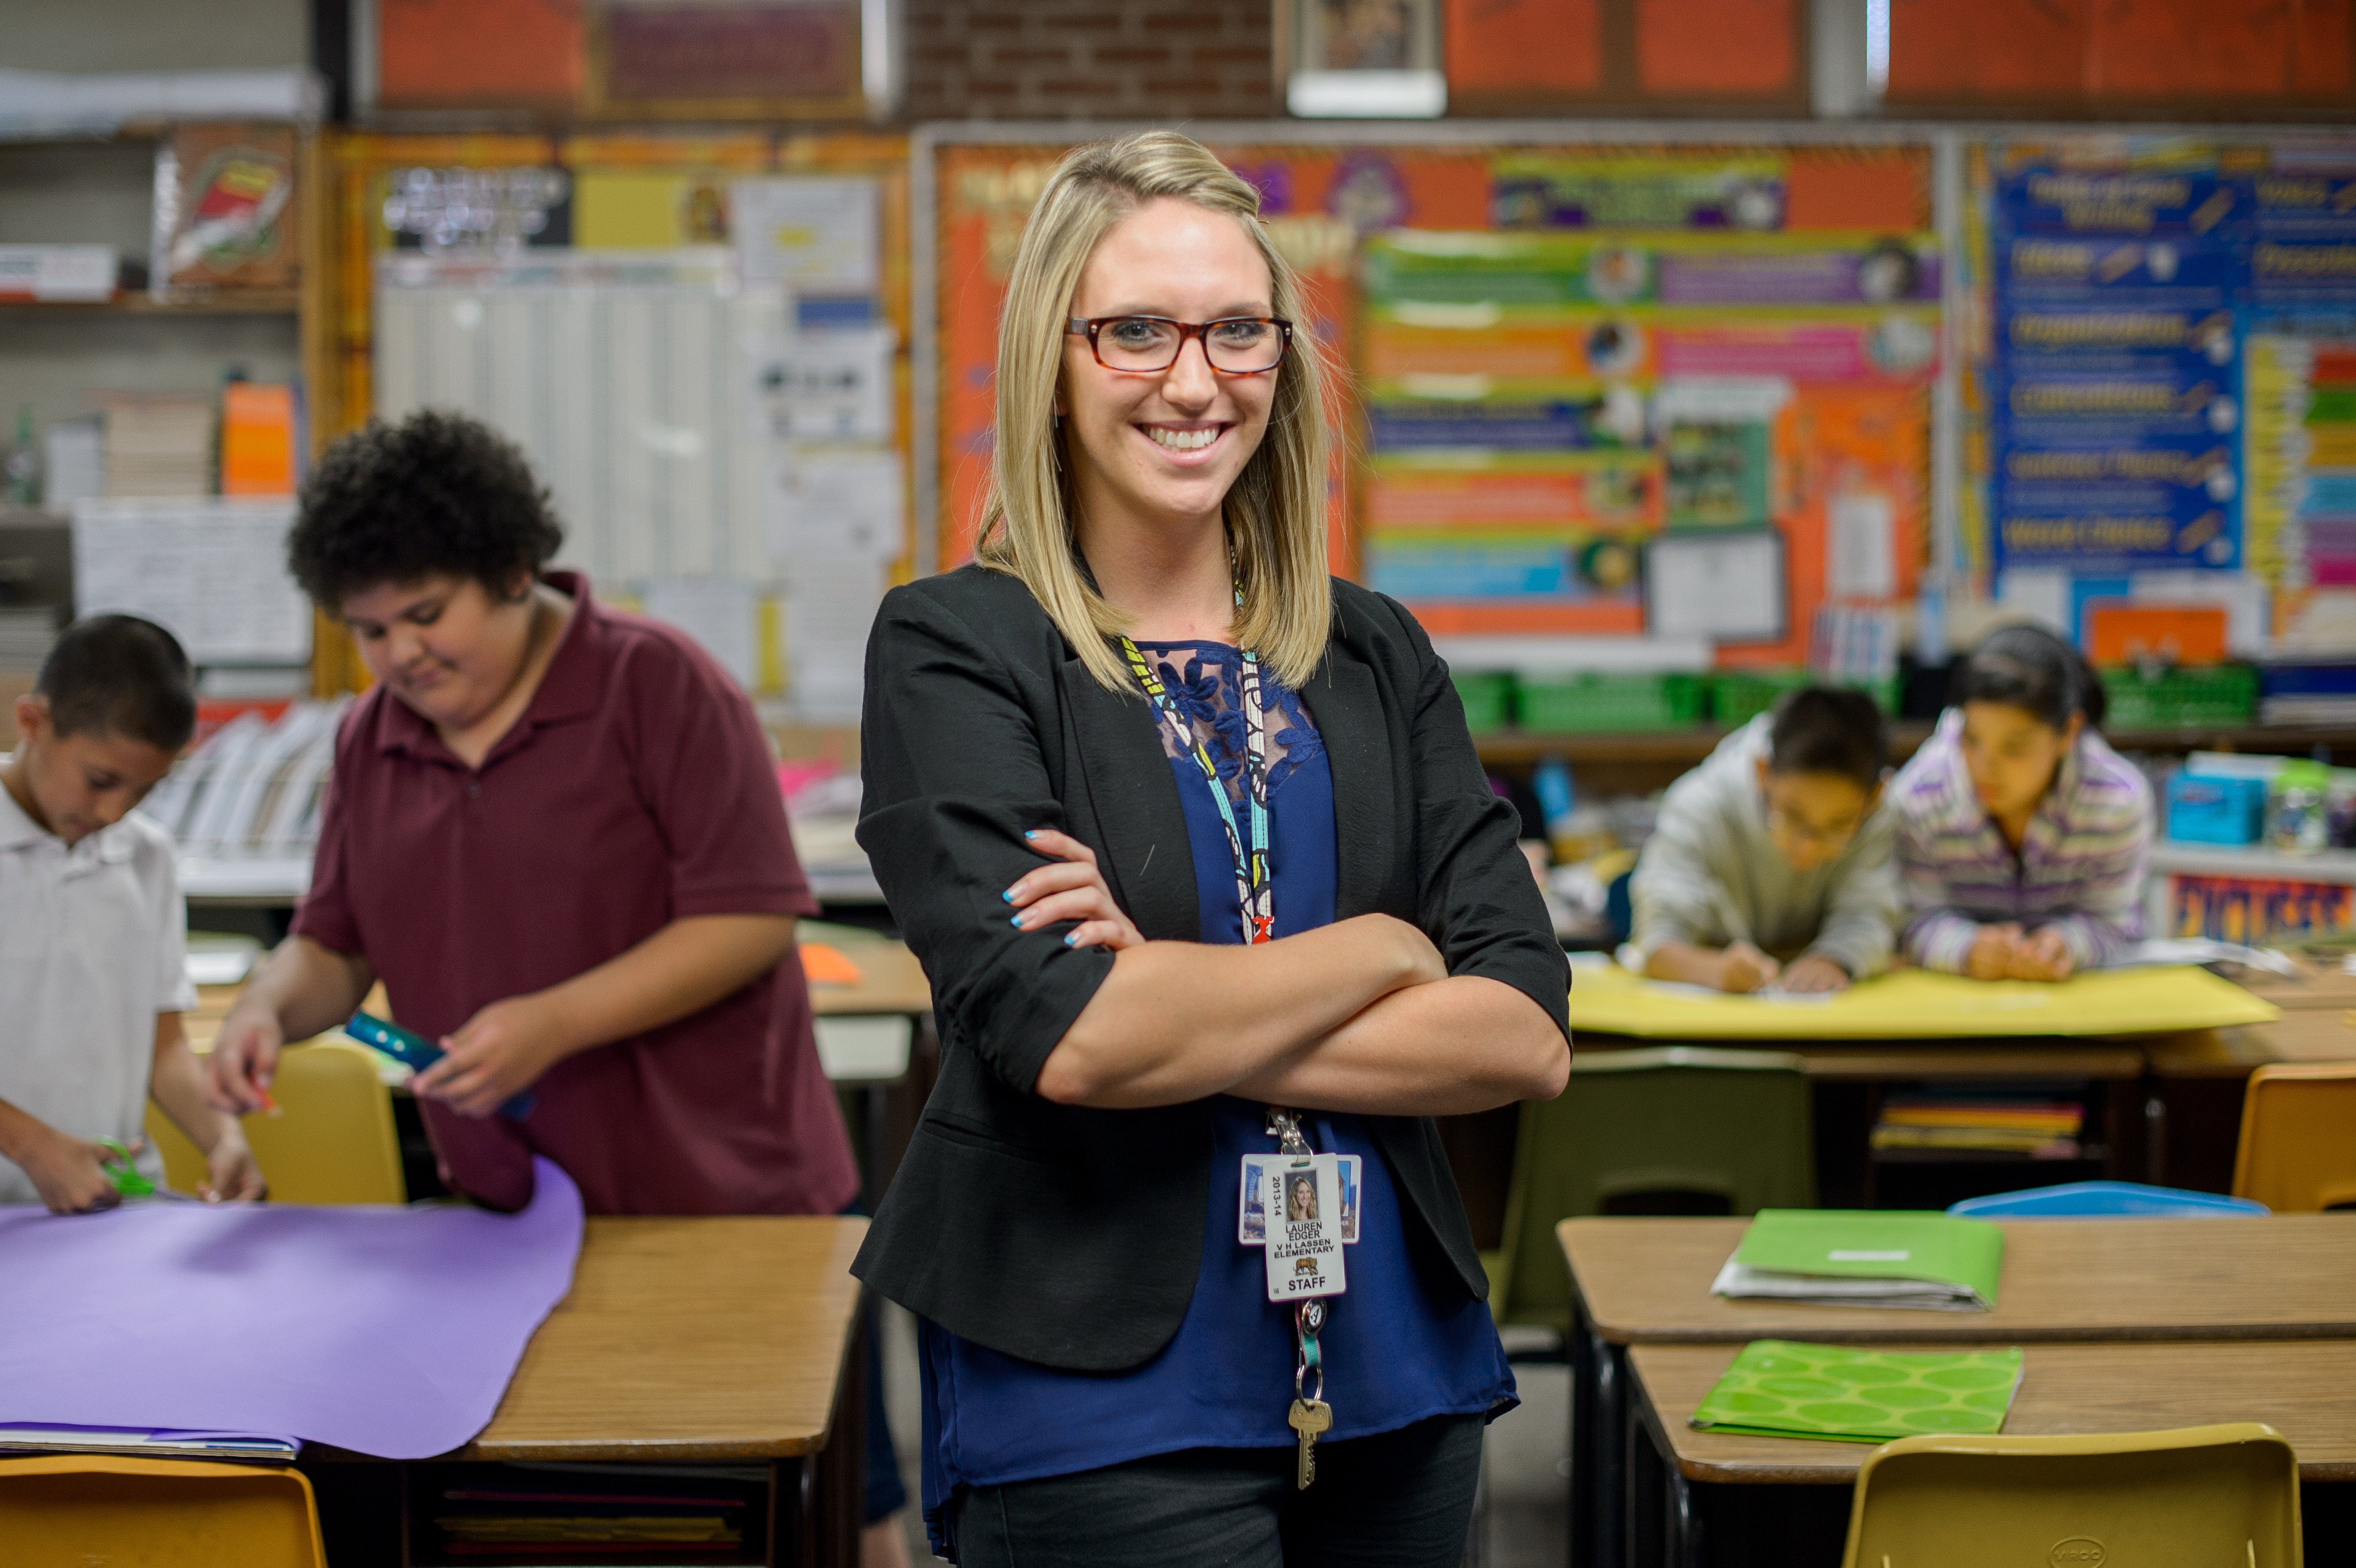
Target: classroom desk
x: 1646, y: 1281
x: 867, y: 1033
x: 1689, y: 1489
x: 710, y: 1340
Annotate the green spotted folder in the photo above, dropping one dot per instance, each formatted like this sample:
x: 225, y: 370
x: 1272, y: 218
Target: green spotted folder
x: 1780, y: 1388
x: 1857, y: 1257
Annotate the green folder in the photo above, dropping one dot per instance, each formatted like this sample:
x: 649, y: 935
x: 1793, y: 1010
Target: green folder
x: 1862, y: 1257
x: 1780, y: 1388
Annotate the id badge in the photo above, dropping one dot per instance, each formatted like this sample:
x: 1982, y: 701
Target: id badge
x: 1251, y: 1207
x: 1302, y: 1203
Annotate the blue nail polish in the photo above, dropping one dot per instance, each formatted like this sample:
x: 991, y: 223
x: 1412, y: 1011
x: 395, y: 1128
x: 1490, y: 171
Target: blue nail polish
x: 1070, y: 942
x: 1008, y: 895
x: 1033, y: 833
x: 1017, y: 921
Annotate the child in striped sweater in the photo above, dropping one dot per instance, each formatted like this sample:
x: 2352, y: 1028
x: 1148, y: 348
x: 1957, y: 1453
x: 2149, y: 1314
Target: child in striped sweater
x: 2021, y: 835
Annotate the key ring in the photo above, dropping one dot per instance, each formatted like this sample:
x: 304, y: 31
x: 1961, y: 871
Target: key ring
x: 1301, y: 1375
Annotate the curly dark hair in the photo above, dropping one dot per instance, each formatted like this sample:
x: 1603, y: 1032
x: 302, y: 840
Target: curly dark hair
x: 437, y: 494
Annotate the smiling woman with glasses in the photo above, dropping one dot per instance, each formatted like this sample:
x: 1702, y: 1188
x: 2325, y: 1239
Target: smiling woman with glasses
x: 1220, y: 912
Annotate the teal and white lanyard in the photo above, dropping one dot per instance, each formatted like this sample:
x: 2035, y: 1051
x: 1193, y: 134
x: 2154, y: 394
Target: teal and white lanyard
x: 1254, y: 890
x: 1309, y: 1415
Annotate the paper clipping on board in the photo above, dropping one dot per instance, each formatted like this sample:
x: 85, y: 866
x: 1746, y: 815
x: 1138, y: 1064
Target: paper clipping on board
x: 212, y: 571
x: 825, y: 386
x: 818, y: 236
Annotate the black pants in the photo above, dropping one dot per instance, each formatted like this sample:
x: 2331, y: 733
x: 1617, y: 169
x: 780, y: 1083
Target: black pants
x: 1403, y: 1499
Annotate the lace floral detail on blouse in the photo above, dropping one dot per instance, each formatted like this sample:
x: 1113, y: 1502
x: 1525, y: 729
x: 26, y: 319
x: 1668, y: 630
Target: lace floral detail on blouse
x: 1205, y: 679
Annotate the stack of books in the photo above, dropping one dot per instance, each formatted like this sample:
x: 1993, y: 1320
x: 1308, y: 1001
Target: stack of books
x: 159, y: 444
x: 2031, y: 1129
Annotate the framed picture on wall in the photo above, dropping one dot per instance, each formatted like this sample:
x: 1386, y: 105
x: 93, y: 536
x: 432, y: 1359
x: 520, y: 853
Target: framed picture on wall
x: 724, y: 59
x: 1362, y: 58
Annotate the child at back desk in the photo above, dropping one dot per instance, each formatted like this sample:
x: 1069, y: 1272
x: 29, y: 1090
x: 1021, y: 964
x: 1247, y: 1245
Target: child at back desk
x: 92, y: 931
x: 2021, y: 835
x: 1774, y: 850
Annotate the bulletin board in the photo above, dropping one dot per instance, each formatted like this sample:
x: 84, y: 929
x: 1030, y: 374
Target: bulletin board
x: 2163, y: 408
x: 522, y: 278
x: 1560, y: 352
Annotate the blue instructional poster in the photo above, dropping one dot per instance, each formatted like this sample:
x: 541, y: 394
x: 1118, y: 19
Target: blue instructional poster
x: 2115, y: 395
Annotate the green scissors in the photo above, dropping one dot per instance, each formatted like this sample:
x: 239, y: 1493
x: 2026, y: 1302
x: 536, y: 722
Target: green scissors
x: 123, y: 1173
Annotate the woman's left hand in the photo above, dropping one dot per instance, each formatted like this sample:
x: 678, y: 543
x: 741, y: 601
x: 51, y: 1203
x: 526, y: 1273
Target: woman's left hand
x: 1075, y: 890
x: 494, y: 1056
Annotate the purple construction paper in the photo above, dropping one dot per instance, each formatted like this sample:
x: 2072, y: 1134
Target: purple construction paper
x: 383, y: 1330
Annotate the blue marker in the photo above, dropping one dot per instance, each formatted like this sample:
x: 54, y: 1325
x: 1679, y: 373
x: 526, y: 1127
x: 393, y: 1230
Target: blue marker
x: 417, y: 1053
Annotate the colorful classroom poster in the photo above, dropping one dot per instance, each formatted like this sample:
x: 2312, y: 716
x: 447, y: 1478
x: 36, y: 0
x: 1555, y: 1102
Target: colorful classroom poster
x: 2115, y: 402
x: 1554, y: 354
x: 2170, y: 379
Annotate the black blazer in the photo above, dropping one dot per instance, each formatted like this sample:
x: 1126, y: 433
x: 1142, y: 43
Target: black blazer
x: 1069, y: 1236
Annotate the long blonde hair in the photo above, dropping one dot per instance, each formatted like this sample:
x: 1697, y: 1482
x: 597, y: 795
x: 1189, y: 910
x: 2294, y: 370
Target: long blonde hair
x: 1275, y: 511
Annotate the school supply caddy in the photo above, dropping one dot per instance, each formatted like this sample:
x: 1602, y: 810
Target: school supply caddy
x: 1854, y: 1257
x: 1777, y: 1388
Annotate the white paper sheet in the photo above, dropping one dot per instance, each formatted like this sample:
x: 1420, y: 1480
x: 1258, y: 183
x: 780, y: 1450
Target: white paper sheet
x: 211, y: 570
x: 1861, y: 560
x: 810, y: 235
x: 826, y: 385
x: 1728, y: 586
x: 826, y: 503
x: 722, y: 613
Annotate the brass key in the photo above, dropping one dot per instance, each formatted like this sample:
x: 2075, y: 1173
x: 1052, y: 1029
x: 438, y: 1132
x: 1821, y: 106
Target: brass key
x: 1309, y: 1417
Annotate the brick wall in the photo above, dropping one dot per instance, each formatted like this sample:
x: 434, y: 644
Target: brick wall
x: 1097, y: 59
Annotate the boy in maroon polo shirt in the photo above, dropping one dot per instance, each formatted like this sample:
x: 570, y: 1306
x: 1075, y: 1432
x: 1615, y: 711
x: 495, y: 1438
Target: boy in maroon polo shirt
x: 555, y: 832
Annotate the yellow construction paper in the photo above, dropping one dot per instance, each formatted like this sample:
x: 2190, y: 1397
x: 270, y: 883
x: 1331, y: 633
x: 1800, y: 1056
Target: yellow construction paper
x: 1915, y: 1003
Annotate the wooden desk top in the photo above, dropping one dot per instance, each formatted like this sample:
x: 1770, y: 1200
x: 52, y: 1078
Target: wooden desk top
x: 2057, y: 1059
x: 2286, y: 1276
x: 2297, y: 1387
x: 687, y: 1339
x: 2317, y: 984
x: 2306, y: 1034
x: 890, y: 981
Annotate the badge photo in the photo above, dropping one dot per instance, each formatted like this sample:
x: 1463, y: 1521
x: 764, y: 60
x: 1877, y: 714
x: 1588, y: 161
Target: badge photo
x: 1251, y: 1205
x: 1302, y: 1206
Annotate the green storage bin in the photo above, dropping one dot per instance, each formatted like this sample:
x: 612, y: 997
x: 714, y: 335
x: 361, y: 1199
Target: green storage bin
x: 1598, y: 701
x: 1488, y: 699
x: 2180, y: 698
x: 1738, y: 696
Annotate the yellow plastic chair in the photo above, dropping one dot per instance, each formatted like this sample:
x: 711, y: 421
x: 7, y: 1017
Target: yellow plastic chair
x: 2214, y: 1497
x: 69, y: 1510
x: 1732, y: 1126
x: 333, y: 1141
x: 2297, y: 1152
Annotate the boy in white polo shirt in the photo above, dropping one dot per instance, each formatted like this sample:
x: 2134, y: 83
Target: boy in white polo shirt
x: 92, y: 931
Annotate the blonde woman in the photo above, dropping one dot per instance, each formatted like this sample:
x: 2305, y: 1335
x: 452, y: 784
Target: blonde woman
x: 1195, y: 850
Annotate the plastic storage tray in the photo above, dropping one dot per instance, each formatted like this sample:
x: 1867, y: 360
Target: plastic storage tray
x: 1596, y: 702
x: 1488, y: 699
x: 2179, y: 698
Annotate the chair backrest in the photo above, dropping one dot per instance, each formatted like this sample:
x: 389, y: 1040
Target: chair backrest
x: 1732, y: 1125
x: 2298, y: 1137
x: 333, y: 1141
x: 2104, y: 1201
x: 2200, y: 1495
x: 69, y: 1509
